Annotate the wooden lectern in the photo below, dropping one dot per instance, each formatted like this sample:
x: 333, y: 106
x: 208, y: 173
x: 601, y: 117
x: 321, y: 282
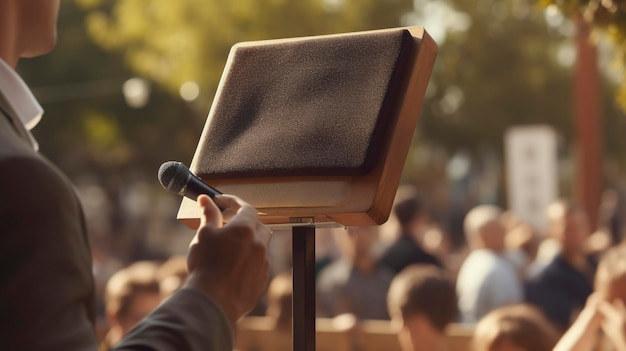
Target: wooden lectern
x: 314, y: 130
x: 277, y: 139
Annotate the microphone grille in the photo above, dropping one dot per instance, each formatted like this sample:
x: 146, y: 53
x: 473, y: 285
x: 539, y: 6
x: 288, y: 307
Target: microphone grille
x: 173, y: 176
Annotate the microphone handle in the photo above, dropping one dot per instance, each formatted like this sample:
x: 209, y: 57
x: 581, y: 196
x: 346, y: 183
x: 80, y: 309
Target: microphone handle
x: 196, y: 187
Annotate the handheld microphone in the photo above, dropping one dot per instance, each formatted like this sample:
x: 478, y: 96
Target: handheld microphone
x: 177, y: 178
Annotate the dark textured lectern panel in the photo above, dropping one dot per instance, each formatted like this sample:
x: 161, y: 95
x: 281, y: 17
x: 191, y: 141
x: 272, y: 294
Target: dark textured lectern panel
x: 312, y: 106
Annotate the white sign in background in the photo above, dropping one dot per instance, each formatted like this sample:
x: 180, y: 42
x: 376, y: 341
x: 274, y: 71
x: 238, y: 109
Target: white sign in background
x: 531, y: 168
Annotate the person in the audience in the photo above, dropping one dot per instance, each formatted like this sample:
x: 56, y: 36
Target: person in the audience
x: 354, y: 283
x: 514, y: 328
x: 278, y: 323
x: 436, y: 241
x: 610, y: 213
x: 172, y: 275
x: 521, y: 244
x: 413, y: 222
x: 486, y: 280
x: 604, y: 310
x: 130, y: 295
x: 422, y: 301
x: 561, y: 288
x: 326, y: 249
x: 279, y: 302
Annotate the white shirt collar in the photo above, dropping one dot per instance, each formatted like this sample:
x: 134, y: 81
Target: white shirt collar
x: 20, y: 98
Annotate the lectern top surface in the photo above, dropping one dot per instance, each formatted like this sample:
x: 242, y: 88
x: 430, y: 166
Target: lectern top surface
x: 313, y: 106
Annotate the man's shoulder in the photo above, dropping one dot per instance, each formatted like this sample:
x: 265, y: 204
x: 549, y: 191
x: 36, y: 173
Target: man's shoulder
x: 27, y: 166
x: 27, y: 177
x: 18, y: 158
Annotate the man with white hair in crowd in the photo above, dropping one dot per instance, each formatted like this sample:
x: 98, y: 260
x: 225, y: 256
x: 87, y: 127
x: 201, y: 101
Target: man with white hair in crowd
x: 487, y: 280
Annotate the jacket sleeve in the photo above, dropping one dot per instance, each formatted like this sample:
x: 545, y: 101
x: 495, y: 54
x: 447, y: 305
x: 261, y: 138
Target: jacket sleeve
x: 188, y: 320
x: 46, y: 283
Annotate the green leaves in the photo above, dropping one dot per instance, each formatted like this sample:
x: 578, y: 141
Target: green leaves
x: 607, y: 19
x: 175, y: 41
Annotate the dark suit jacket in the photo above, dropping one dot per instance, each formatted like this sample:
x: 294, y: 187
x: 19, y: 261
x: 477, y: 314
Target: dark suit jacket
x: 404, y: 252
x: 559, y: 290
x: 46, y: 284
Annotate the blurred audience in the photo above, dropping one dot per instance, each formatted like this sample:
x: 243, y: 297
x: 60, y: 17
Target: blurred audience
x: 522, y: 244
x: 354, y: 283
x: 561, y: 288
x: 279, y: 298
x: 610, y: 219
x: 326, y: 248
x: 422, y: 302
x: 437, y: 241
x: 131, y: 294
x: 103, y: 266
x: 172, y: 275
x: 279, y: 321
x: 582, y: 335
x: 609, y: 229
x: 514, y: 328
x: 413, y: 223
x: 604, y: 311
x: 610, y: 286
x: 486, y: 280
x: 415, y: 282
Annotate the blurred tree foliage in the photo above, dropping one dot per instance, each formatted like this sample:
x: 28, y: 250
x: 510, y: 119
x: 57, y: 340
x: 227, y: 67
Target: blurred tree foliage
x: 499, y: 72
x: 492, y: 74
x: 608, y: 20
x: 88, y: 129
x: 497, y: 67
x: 510, y: 67
x: 175, y: 41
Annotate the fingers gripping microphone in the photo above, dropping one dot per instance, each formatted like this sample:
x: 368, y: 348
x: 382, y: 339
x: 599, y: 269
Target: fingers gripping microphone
x: 177, y: 178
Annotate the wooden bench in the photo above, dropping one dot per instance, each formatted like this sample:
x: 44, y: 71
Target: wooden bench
x: 255, y: 333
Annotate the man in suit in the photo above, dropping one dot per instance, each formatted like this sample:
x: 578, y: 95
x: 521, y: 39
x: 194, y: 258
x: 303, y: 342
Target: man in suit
x: 413, y: 221
x: 354, y: 283
x: 46, y: 286
x: 562, y: 287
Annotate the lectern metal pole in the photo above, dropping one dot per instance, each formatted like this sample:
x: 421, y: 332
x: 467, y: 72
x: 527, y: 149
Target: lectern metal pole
x: 303, y: 245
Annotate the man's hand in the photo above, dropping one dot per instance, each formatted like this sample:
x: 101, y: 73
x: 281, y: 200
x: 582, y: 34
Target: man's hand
x: 228, y: 262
